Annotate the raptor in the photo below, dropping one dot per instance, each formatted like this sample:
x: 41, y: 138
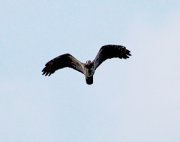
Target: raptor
x: 88, y: 68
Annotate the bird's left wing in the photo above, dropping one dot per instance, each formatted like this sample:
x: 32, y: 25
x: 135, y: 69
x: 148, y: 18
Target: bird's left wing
x: 111, y: 51
x: 62, y: 61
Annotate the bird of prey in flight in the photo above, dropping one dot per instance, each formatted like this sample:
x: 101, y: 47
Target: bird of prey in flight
x: 88, y: 68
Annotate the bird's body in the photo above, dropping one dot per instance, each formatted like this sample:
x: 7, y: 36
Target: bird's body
x: 89, y: 71
x: 88, y: 68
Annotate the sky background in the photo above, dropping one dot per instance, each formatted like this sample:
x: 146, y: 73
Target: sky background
x: 134, y: 100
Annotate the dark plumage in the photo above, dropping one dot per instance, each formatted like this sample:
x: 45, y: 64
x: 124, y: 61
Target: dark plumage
x: 88, y: 68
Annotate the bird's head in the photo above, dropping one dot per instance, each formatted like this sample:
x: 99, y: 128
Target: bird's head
x: 89, y: 64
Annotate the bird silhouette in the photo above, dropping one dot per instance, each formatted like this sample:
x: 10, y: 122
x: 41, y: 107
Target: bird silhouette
x: 88, y: 68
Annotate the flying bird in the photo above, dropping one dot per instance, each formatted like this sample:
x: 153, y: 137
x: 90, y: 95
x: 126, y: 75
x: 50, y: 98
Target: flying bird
x: 88, y: 68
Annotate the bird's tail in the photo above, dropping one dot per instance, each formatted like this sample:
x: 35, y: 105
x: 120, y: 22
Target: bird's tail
x: 89, y: 80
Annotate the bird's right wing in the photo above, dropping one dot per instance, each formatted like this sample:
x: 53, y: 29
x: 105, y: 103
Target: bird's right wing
x: 111, y: 51
x: 62, y: 61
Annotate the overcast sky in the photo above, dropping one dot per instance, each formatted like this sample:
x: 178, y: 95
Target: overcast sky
x: 134, y: 100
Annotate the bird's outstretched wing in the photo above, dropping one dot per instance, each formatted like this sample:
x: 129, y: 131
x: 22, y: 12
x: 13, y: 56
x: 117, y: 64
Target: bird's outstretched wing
x: 62, y: 61
x: 111, y: 51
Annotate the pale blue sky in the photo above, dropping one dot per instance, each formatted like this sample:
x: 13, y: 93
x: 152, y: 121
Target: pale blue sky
x: 137, y: 100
